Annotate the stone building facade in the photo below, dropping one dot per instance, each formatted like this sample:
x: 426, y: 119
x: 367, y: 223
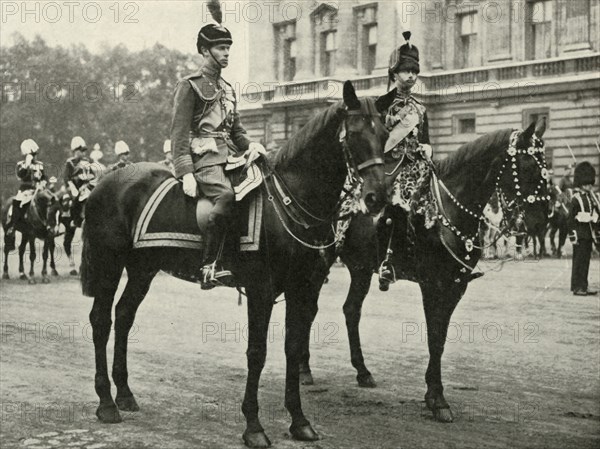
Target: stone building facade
x: 484, y: 66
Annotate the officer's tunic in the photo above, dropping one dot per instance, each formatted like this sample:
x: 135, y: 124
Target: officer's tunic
x: 583, y: 217
x: 30, y: 175
x: 205, y: 130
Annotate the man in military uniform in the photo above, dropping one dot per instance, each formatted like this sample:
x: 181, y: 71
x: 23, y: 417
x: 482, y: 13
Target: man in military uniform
x: 122, y: 152
x: 30, y: 172
x: 206, y: 129
x: 168, y: 160
x: 407, y: 152
x: 77, y: 177
x: 583, y: 221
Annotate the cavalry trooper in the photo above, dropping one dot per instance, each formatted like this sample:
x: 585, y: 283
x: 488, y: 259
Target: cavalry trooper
x: 205, y: 129
x: 30, y: 172
x: 97, y: 168
x: 77, y: 167
x: 583, y: 227
x: 122, y: 152
x: 168, y: 160
x: 407, y: 152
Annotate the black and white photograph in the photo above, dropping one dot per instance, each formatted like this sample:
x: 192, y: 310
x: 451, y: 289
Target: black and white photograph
x: 300, y: 224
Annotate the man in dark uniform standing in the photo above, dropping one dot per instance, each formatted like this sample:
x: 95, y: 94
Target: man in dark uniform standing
x: 583, y: 218
x: 205, y: 130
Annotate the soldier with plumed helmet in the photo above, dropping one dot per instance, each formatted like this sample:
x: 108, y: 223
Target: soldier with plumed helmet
x: 77, y: 171
x: 407, y: 151
x: 122, y: 152
x: 30, y: 172
x: 205, y: 130
x: 583, y: 226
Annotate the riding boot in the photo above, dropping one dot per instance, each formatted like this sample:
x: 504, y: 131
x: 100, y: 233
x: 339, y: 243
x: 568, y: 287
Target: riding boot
x: 386, y: 269
x: 213, y: 274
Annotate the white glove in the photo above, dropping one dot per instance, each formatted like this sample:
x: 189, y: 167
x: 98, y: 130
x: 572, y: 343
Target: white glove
x: 190, y: 186
x: 426, y: 150
x: 28, y: 160
x: 254, y: 151
x: 73, y: 189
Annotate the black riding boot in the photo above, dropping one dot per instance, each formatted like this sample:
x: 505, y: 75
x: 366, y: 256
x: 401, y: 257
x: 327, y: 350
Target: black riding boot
x: 213, y: 274
x: 386, y: 272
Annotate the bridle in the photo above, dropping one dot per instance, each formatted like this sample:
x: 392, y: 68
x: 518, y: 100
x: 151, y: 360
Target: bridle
x: 512, y: 207
x: 299, y: 213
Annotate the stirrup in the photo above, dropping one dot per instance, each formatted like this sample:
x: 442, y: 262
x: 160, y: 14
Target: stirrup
x: 211, y: 277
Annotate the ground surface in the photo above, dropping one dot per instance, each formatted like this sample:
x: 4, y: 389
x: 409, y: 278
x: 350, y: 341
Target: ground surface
x: 521, y: 367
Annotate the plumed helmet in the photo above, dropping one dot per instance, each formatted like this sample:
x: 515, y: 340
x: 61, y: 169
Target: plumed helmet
x: 214, y: 33
x: 121, y: 148
x: 405, y: 57
x: 52, y: 180
x: 77, y: 143
x: 167, y: 146
x: 584, y: 174
x: 29, y: 146
x: 96, y: 155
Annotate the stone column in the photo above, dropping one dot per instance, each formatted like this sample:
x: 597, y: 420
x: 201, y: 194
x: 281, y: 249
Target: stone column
x: 304, y: 47
x: 345, y: 64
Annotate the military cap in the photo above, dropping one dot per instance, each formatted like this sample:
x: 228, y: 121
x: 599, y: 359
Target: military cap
x: 405, y: 57
x: 584, y: 174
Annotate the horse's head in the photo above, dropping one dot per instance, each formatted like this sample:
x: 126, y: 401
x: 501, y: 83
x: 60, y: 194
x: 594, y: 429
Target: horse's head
x: 363, y: 136
x: 522, y: 183
x: 46, y: 205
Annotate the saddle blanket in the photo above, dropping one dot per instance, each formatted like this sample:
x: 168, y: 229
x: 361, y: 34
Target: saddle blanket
x: 156, y: 227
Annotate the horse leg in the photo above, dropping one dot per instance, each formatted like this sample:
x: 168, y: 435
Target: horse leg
x: 318, y: 278
x: 297, y: 325
x: 52, y: 245
x: 553, y: 248
x: 22, y: 248
x: 32, y: 256
x: 45, y: 251
x: 69, y: 234
x: 439, y: 305
x: 260, y: 305
x: 100, y: 319
x: 359, y: 287
x: 562, y: 237
x: 6, y: 252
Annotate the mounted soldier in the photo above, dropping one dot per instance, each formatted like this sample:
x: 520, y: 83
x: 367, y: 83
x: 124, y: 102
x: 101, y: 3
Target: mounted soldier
x: 168, y: 160
x: 122, y: 152
x: 78, y: 176
x: 30, y: 172
x: 205, y: 130
x: 583, y: 227
x: 407, y: 153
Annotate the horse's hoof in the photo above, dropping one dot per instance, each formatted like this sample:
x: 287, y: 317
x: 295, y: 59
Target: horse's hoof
x: 32, y: 281
x: 303, y: 433
x: 54, y: 273
x: 366, y: 381
x: 443, y: 415
x: 306, y: 379
x: 23, y: 277
x: 256, y: 439
x: 5, y: 276
x: 73, y: 272
x: 108, y: 414
x: 45, y: 280
x: 128, y: 404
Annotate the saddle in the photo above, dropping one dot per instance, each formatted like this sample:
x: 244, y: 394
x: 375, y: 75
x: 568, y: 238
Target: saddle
x: 155, y: 226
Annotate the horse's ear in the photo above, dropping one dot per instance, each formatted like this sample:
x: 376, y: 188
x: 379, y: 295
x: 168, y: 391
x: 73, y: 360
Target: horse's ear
x: 526, y: 136
x: 350, y: 98
x: 540, y: 127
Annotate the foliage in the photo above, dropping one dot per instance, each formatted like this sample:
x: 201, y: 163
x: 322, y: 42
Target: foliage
x: 51, y: 94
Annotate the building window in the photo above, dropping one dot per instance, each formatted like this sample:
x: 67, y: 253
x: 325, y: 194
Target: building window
x: 285, y: 42
x: 329, y: 45
x: 578, y: 21
x: 533, y: 115
x: 469, y: 56
x: 370, y: 48
x: 464, y: 124
x: 541, y: 29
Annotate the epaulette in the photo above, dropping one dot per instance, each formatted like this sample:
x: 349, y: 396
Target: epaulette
x: 205, y: 89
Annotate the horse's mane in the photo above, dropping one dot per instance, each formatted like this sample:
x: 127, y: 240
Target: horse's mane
x: 461, y: 158
x: 311, y: 134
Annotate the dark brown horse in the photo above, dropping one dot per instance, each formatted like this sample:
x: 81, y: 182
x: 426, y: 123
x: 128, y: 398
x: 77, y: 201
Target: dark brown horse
x: 39, y: 222
x: 440, y: 259
x: 311, y: 168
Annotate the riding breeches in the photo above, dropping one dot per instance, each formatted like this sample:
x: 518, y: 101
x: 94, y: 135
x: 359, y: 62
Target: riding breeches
x: 213, y: 183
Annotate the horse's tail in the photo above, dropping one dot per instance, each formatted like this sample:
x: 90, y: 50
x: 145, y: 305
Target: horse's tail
x: 87, y: 281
